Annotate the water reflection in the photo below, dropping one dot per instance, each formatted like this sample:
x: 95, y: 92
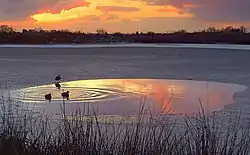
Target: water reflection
x: 124, y: 96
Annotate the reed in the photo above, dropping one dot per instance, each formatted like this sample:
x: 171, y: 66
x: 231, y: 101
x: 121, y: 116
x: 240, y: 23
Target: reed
x: 23, y: 131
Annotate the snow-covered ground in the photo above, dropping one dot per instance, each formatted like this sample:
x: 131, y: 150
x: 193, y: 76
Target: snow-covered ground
x: 26, y: 65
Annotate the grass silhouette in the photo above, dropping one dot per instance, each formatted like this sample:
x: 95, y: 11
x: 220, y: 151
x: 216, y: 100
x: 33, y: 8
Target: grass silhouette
x: 23, y: 131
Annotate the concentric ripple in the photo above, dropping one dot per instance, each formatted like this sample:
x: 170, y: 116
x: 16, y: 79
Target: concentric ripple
x: 180, y: 95
x: 77, y: 94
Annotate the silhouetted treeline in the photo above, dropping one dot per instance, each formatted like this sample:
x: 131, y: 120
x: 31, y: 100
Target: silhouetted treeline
x: 228, y: 35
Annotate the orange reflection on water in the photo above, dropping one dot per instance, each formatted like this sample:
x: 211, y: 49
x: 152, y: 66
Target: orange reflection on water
x: 116, y: 96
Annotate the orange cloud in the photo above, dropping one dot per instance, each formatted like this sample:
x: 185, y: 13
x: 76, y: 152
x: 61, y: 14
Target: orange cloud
x: 18, y: 24
x: 117, y: 9
x: 50, y: 17
x: 190, y: 5
x: 113, y: 15
x: 171, y: 9
x: 110, y: 10
x: 69, y: 5
x: 73, y: 13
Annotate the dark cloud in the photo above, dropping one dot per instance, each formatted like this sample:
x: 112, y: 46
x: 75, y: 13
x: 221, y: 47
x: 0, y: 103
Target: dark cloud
x: 212, y: 10
x: 117, y: 9
x: 20, y: 9
x: 68, y: 4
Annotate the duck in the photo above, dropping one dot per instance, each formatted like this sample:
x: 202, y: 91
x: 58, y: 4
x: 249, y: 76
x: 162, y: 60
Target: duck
x: 48, y: 97
x: 58, y: 77
x: 57, y: 84
x: 65, y: 95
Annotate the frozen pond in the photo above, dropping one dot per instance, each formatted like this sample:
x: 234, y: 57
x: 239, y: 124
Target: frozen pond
x: 225, y: 67
x: 126, y: 96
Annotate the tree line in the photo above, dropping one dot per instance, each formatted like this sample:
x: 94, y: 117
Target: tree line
x: 210, y: 35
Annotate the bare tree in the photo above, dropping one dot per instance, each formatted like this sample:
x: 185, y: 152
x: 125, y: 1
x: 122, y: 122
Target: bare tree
x: 6, y: 29
x: 243, y: 29
x: 101, y: 31
x: 211, y: 29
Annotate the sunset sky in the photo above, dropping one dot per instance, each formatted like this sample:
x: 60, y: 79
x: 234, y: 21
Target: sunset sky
x: 124, y: 15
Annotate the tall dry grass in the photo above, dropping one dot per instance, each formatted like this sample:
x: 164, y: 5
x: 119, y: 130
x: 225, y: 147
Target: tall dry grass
x: 23, y: 131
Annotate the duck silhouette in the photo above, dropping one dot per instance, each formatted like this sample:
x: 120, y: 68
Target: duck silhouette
x: 48, y: 97
x: 65, y: 95
x: 58, y: 85
x: 58, y: 77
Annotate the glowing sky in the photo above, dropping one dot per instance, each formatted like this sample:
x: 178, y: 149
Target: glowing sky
x: 124, y: 15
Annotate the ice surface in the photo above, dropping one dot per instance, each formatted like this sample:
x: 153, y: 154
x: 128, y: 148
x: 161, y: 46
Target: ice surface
x: 126, y: 96
x: 25, y: 66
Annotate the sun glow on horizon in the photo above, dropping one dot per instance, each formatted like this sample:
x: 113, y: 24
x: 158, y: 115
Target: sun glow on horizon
x: 126, y: 16
x: 112, y: 10
x: 112, y: 15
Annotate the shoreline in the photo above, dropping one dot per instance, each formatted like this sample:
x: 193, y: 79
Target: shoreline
x: 130, y: 45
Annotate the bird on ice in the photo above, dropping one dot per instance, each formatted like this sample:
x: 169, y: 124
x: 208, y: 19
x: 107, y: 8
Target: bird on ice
x: 58, y: 77
x: 65, y: 95
x: 58, y: 85
x: 48, y: 97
